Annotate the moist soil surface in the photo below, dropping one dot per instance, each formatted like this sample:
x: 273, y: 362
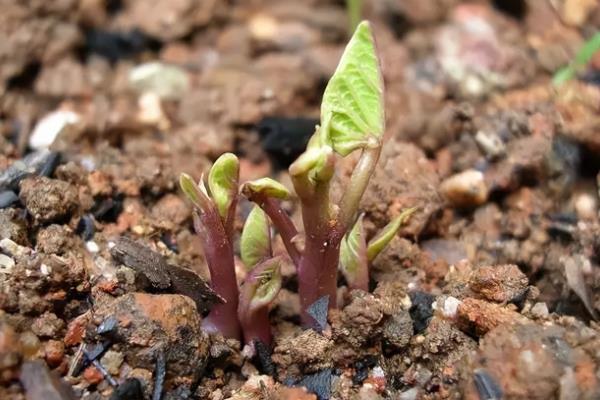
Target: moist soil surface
x: 491, y: 290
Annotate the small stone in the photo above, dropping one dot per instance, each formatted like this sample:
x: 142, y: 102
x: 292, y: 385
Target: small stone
x: 465, y: 189
x: 92, y: 246
x: 6, y: 264
x: 166, y: 81
x: 76, y: 330
x: 92, y: 375
x: 447, y: 306
x: 49, y: 127
x: 539, y: 310
x: 586, y: 206
x: 112, y: 360
x: 54, y: 352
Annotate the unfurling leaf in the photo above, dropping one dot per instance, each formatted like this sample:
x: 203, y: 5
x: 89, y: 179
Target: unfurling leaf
x: 255, y: 242
x: 265, y: 186
x: 317, y: 163
x: 352, y: 106
x: 195, y: 192
x: 383, y: 238
x: 264, y: 282
x: 353, y: 256
x: 223, y: 182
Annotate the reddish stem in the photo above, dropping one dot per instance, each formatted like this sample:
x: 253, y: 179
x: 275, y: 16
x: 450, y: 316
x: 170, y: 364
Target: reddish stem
x: 219, y: 257
x: 256, y: 326
x: 286, y: 228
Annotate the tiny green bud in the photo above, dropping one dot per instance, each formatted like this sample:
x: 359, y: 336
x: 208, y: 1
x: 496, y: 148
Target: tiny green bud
x: 223, y: 182
x: 353, y: 255
x: 195, y: 192
x: 255, y: 242
x: 383, y: 238
x: 266, y: 186
x: 265, y: 280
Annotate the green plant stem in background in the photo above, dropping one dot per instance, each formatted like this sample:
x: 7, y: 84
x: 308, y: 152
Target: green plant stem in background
x: 582, y: 58
x: 354, y: 9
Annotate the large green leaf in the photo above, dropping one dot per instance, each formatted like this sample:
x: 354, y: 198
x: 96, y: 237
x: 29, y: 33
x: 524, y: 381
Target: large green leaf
x: 255, y: 242
x: 353, y: 253
x: 223, y: 182
x: 352, y: 106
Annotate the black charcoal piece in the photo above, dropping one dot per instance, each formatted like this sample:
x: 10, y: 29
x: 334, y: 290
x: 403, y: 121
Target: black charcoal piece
x: 421, y: 311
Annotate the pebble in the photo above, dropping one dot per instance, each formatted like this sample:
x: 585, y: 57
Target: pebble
x: 540, y: 310
x: 12, y: 248
x: 6, y: 264
x: 447, y: 306
x: 586, y: 207
x: 49, y: 127
x: 92, y: 375
x: 92, y: 246
x: 166, y: 81
x: 112, y: 361
x: 465, y: 189
x: 54, y: 352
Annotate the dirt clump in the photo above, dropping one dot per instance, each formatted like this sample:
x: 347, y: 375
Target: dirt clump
x: 48, y: 200
x: 405, y: 178
x: 157, y: 323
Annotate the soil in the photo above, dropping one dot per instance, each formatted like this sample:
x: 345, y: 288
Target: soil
x: 491, y: 290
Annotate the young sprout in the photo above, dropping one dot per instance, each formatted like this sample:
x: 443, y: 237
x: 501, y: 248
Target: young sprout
x: 582, y: 58
x: 356, y: 254
x: 214, y: 214
x: 352, y: 119
x: 263, y: 280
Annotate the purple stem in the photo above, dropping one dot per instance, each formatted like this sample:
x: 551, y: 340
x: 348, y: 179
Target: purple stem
x: 256, y: 326
x: 286, y: 228
x: 317, y: 272
x: 219, y: 257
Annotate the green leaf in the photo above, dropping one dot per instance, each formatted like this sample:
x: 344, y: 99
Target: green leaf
x: 255, y: 242
x: 353, y: 253
x: 352, y: 106
x: 196, y: 193
x: 265, y: 280
x: 223, y: 182
x: 266, y: 186
x: 383, y: 238
x: 582, y: 58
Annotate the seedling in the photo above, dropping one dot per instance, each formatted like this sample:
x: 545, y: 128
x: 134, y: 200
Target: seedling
x: 352, y: 119
x: 582, y: 58
x: 356, y: 254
